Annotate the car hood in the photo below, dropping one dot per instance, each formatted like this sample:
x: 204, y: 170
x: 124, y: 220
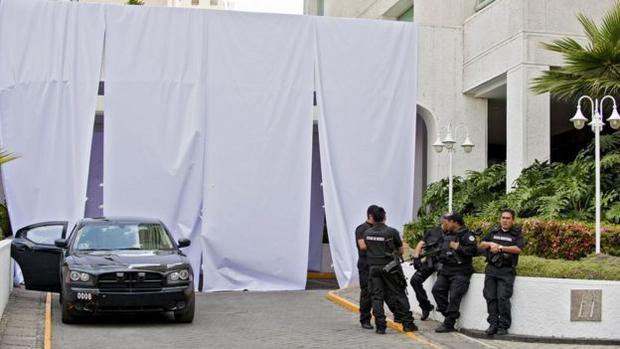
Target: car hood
x: 103, y: 261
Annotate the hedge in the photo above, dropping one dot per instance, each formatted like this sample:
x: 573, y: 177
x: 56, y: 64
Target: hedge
x: 592, y: 267
x: 570, y: 240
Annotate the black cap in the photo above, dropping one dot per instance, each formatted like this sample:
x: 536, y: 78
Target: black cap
x: 454, y: 216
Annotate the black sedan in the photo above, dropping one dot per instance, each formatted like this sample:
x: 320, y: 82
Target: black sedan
x: 107, y: 265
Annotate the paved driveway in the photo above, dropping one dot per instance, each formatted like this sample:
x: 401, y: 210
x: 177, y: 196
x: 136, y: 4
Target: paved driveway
x: 302, y: 319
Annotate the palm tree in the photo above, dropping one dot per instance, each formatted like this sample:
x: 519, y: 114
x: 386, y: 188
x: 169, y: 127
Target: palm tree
x: 591, y: 69
x: 6, y: 157
x: 135, y: 2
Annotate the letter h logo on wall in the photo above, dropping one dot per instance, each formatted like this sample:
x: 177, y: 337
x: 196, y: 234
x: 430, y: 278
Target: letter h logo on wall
x: 585, y: 305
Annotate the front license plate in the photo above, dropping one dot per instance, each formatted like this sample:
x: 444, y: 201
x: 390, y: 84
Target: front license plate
x: 85, y: 296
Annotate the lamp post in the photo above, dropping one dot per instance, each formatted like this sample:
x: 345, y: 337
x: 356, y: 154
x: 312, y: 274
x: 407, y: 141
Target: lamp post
x: 597, y: 123
x: 448, y: 143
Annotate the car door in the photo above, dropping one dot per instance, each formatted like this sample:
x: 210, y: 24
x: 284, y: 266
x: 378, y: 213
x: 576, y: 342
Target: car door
x: 39, y: 259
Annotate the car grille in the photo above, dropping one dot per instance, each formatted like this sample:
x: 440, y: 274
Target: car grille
x: 130, y: 282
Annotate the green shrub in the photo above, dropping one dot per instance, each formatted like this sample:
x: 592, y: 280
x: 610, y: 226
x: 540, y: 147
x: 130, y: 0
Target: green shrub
x: 602, y: 267
x: 546, y: 190
x: 570, y: 240
x: 5, y: 223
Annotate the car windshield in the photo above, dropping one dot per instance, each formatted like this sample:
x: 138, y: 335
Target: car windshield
x: 131, y: 236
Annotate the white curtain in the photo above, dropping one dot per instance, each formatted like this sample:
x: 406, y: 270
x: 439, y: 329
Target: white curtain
x: 50, y: 61
x: 258, y: 153
x: 366, y: 94
x: 154, y: 118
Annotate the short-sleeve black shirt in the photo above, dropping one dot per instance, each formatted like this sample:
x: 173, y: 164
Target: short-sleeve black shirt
x: 359, y: 235
x: 513, y: 237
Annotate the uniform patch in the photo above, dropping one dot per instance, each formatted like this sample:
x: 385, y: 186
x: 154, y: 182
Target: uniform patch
x: 472, y: 238
x: 503, y: 238
x: 375, y: 238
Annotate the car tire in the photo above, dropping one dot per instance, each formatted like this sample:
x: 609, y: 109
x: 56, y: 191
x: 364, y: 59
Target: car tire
x: 69, y: 316
x: 186, y: 315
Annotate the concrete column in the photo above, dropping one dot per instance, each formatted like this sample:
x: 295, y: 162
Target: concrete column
x: 528, y: 122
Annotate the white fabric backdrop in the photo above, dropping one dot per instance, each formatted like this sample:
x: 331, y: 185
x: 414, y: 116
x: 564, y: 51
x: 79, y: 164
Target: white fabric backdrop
x: 366, y: 90
x: 49, y: 73
x: 258, y: 153
x: 154, y: 118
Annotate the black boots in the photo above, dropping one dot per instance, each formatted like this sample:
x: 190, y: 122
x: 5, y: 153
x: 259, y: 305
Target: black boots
x: 502, y: 331
x: 494, y: 330
x: 445, y: 328
x: 426, y: 313
x: 491, y: 330
x: 380, y: 330
x: 367, y: 326
x: 410, y: 327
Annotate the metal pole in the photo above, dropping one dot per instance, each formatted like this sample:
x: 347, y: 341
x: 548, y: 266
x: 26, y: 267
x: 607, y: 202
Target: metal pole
x: 450, y: 180
x: 597, y: 163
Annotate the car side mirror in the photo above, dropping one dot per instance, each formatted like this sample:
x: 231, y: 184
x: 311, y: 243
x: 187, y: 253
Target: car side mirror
x: 62, y: 243
x: 184, y: 243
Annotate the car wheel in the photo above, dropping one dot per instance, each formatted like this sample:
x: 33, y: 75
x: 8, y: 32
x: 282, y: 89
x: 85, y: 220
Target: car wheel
x: 186, y: 315
x: 69, y: 316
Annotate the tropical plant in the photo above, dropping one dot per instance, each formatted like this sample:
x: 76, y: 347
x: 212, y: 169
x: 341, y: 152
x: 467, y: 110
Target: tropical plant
x: 545, y: 190
x: 6, y: 156
x: 135, y: 2
x: 590, y: 69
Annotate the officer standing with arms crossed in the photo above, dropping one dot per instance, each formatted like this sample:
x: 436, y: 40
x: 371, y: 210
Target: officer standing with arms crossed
x: 502, y: 245
x: 380, y: 243
x: 425, y: 268
x: 458, y: 249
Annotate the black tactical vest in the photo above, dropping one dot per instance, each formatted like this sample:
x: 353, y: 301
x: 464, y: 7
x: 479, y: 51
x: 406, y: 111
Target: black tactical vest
x: 379, y: 244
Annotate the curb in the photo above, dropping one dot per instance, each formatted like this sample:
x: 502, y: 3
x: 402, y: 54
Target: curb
x: 47, y: 339
x: 332, y: 296
x: 536, y: 339
x: 317, y: 275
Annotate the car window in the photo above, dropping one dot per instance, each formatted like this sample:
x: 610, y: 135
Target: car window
x: 45, y: 235
x: 122, y: 237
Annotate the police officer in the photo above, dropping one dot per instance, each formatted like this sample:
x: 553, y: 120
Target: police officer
x: 502, y: 245
x: 458, y: 249
x: 425, y: 268
x: 380, y: 243
x: 363, y: 270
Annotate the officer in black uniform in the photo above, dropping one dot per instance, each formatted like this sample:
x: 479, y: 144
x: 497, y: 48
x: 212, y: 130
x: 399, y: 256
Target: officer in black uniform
x: 502, y: 245
x: 458, y: 249
x: 381, y: 243
x: 425, y: 267
x: 363, y: 270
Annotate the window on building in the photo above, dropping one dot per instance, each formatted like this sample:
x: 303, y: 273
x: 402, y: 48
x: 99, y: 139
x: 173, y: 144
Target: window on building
x: 482, y: 4
x: 195, y: 2
x: 213, y: 2
x: 407, y: 16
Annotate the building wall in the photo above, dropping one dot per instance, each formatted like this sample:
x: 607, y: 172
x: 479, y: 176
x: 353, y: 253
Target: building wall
x: 467, y: 55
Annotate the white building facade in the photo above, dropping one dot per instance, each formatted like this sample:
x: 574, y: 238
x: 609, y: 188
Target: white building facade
x: 476, y: 61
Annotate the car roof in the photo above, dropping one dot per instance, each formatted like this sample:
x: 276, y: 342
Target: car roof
x: 137, y: 220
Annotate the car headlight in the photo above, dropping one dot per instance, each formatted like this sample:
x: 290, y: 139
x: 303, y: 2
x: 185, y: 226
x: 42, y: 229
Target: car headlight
x: 179, y: 276
x: 79, y: 277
